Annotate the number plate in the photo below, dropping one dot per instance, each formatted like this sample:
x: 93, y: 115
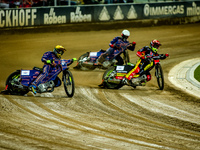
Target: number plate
x: 25, y: 72
x: 120, y: 68
x: 93, y: 53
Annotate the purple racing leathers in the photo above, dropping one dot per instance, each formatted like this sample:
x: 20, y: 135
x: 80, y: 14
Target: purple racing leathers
x: 49, y: 70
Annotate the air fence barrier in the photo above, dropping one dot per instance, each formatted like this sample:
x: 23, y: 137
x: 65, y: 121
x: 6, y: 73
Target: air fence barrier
x: 40, y: 16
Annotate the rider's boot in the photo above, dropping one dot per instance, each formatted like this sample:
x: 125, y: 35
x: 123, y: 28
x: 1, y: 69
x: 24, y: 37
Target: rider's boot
x: 97, y: 62
x: 101, y: 59
x: 126, y: 81
x: 143, y: 83
x: 33, y: 89
x: 102, y: 84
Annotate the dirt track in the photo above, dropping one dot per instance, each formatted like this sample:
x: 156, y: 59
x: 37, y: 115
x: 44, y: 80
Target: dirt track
x: 141, y: 118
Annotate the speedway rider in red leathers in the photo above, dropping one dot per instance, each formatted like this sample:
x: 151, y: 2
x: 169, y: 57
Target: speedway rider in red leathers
x: 146, y: 63
x: 119, y: 44
x: 49, y: 59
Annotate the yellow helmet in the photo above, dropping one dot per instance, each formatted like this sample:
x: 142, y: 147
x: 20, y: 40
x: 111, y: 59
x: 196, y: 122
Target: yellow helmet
x: 59, y: 51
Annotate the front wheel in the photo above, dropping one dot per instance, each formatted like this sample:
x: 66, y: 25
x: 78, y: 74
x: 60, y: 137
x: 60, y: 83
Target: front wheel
x: 159, y: 76
x: 68, y: 81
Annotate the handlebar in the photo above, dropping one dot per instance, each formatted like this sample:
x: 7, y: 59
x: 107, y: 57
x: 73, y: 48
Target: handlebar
x: 161, y: 56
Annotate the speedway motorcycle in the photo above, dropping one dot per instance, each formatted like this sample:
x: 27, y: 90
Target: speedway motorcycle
x: 19, y: 81
x: 87, y: 60
x: 113, y: 77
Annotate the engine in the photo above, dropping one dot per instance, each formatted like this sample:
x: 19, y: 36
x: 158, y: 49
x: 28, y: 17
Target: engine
x: 44, y: 87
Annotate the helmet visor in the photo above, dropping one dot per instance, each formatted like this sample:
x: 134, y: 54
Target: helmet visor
x: 60, y: 52
x: 126, y: 37
x: 156, y: 46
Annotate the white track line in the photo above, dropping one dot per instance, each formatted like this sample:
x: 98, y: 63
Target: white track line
x: 182, y: 76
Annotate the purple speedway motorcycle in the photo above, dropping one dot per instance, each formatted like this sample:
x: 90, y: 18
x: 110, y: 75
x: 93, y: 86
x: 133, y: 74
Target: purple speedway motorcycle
x: 19, y: 81
x: 87, y: 61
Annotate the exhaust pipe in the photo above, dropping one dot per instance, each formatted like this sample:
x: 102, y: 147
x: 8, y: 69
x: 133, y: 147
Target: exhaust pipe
x: 87, y: 64
x: 139, y: 79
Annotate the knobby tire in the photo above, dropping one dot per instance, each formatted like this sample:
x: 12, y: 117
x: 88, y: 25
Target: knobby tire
x: 108, y: 84
x: 11, y: 89
x: 82, y: 67
x: 69, y: 85
x: 159, y: 76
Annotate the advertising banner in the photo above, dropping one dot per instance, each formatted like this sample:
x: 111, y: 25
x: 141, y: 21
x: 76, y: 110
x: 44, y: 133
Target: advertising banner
x: 98, y: 13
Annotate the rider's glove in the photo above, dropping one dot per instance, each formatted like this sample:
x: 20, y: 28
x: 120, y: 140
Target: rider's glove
x: 112, y: 45
x: 49, y: 61
x: 74, y: 59
x: 116, y: 46
x: 134, y: 43
x: 132, y: 46
x: 163, y: 56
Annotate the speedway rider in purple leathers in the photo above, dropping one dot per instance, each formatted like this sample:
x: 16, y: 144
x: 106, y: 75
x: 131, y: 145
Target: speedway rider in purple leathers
x: 50, y: 60
x: 120, y: 44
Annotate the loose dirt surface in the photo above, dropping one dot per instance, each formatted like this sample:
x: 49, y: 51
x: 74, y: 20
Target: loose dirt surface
x: 144, y: 118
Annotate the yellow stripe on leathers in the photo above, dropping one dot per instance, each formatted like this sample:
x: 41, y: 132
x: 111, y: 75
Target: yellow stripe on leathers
x: 148, y: 66
x: 137, y: 64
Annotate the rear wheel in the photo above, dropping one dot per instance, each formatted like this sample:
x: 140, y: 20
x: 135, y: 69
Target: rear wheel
x: 159, y: 76
x: 82, y: 59
x: 107, y: 75
x: 12, y: 80
x: 68, y: 81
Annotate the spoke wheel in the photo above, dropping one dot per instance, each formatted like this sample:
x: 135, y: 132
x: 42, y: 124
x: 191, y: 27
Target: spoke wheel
x: 68, y: 81
x: 82, y: 59
x: 108, y: 84
x: 159, y: 76
x: 14, y: 77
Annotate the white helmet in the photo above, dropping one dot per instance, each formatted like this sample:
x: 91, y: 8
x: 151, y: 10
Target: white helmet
x: 125, y: 34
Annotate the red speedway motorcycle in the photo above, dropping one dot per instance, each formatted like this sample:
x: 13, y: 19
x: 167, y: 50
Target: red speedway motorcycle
x: 113, y: 78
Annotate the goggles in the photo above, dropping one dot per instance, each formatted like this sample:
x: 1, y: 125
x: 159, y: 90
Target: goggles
x: 59, y: 51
